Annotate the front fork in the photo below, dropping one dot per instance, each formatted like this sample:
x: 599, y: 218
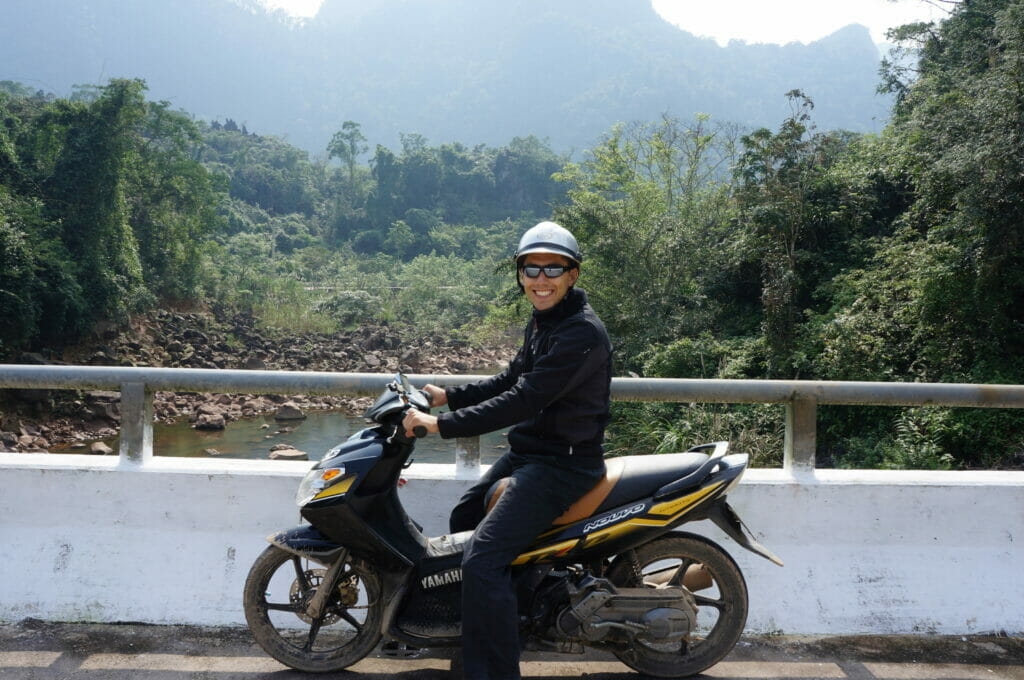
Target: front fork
x: 307, y: 542
x: 329, y: 584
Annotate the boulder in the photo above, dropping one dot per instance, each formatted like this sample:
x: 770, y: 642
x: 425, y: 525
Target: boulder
x: 288, y: 454
x: 210, y: 422
x: 102, y: 395
x: 211, y: 452
x: 289, y: 411
x: 209, y: 409
x: 105, y: 329
x: 105, y: 410
x: 101, y: 449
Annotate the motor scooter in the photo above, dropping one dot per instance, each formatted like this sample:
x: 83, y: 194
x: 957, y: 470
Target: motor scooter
x: 614, y: 572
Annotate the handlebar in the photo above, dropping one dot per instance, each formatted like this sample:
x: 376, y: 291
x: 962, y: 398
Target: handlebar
x: 404, y: 388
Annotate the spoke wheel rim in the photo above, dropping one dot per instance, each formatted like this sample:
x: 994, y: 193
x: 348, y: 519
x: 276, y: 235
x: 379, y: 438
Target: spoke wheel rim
x: 719, y: 597
x: 277, y: 595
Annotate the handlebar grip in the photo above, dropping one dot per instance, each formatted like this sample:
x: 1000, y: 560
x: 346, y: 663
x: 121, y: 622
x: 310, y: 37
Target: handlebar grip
x: 419, y: 431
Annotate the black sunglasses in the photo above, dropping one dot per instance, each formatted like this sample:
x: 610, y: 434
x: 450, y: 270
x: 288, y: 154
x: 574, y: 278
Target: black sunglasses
x: 552, y: 271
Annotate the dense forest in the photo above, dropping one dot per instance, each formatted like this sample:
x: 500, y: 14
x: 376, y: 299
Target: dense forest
x: 782, y: 252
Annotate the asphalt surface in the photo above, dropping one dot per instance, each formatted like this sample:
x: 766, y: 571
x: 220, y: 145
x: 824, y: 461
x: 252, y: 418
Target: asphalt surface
x: 35, y: 650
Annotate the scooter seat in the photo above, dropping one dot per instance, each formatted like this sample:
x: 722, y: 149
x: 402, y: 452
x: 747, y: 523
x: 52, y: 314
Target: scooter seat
x: 626, y: 479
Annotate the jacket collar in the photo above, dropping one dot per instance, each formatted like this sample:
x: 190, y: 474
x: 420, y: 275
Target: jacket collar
x: 572, y: 303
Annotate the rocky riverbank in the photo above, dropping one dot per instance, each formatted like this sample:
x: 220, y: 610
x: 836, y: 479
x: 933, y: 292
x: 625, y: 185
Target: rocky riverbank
x: 38, y: 420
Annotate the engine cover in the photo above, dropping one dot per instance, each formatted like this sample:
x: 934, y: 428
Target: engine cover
x: 651, y: 614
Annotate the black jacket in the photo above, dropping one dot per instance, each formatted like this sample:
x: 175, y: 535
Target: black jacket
x: 556, y: 391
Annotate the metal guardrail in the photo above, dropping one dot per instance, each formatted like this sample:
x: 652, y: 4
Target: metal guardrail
x: 801, y: 397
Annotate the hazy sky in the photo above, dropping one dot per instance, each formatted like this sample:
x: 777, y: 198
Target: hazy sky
x: 775, y: 21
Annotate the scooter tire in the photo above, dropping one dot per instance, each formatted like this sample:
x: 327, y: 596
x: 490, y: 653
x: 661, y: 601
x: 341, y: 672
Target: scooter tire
x: 283, y: 636
x: 706, y: 647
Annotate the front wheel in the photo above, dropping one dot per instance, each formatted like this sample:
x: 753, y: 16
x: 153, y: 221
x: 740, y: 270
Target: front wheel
x: 277, y: 592
x: 719, y: 591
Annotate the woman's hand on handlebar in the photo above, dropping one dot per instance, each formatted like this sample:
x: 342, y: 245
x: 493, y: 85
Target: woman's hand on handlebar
x: 414, y: 418
x: 436, y: 394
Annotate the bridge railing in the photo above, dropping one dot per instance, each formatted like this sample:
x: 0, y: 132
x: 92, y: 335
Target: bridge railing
x: 800, y: 397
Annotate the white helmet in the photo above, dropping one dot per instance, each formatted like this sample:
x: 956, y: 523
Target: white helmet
x: 548, y: 237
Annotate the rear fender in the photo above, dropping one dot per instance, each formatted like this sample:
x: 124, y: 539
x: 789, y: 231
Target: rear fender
x: 722, y: 514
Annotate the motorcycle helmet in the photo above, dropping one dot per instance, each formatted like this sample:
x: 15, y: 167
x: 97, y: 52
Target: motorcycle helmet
x: 548, y: 237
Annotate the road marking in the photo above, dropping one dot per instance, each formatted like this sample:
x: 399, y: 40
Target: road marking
x: 726, y: 669
x: 235, y: 664
x: 392, y: 666
x: 253, y: 664
x: 27, y: 659
x: 179, y: 662
x: 943, y: 671
x: 773, y: 669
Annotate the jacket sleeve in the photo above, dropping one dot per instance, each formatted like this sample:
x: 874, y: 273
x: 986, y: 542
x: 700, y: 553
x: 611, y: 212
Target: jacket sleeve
x: 559, y: 370
x: 466, y: 395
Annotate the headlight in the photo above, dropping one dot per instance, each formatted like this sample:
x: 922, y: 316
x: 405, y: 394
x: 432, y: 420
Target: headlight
x: 322, y: 483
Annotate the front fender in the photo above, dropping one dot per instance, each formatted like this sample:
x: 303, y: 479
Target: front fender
x: 306, y: 541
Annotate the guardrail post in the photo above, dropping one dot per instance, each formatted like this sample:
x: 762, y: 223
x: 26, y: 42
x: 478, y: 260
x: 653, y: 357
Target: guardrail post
x: 467, y: 457
x: 801, y: 433
x: 136, y: 423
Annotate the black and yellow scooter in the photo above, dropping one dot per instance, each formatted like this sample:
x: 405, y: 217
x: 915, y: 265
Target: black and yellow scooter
x: 612, y: 572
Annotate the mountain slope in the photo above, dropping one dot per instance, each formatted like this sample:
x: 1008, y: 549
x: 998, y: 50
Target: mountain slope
x: 465, y: 70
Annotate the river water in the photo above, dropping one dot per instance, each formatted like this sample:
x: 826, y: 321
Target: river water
x: 252, y: 438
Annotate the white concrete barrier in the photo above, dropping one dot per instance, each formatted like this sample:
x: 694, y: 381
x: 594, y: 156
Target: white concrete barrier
x: 91, y: 539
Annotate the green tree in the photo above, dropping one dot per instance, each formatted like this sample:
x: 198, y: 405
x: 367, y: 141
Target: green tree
x: 173, y: 209
x: 347, y: 145
x: 943, y: 298
x: 652, y: 208
x: 87, y: 193
x: 798, y: 216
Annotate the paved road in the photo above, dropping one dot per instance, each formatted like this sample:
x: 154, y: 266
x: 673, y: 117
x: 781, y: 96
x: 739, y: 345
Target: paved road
x: 33, y: 650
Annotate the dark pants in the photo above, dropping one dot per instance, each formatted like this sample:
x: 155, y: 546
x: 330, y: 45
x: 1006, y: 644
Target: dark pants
x: 540, y: 489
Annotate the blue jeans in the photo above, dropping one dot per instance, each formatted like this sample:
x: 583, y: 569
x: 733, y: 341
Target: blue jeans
x: 540, y: 488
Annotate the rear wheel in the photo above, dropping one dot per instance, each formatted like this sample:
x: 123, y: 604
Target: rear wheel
x: 719, y: 591
x: 277, y: 592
